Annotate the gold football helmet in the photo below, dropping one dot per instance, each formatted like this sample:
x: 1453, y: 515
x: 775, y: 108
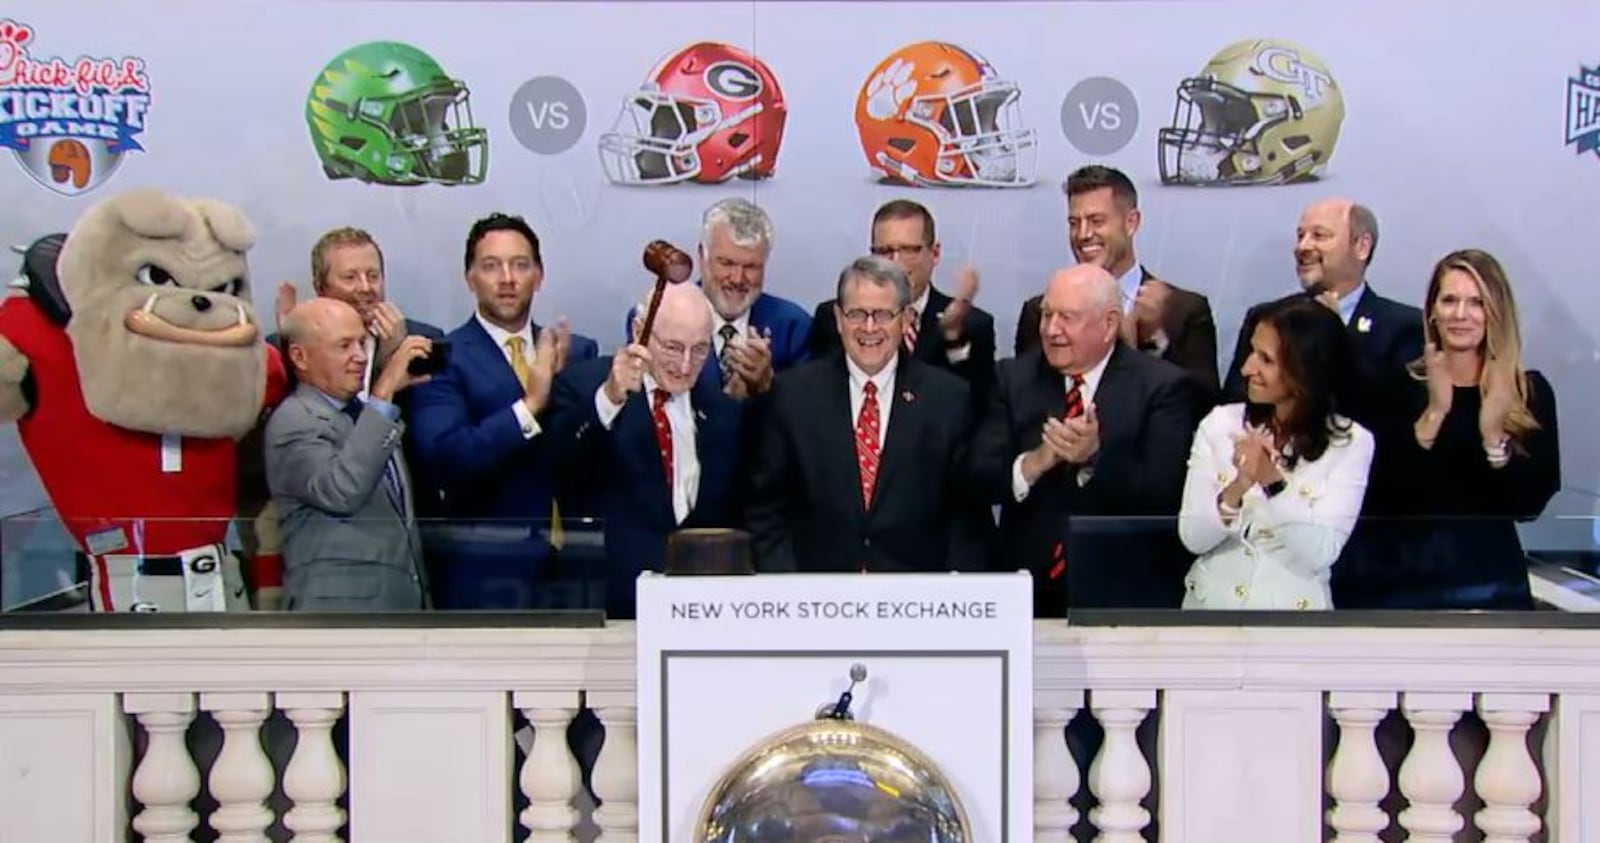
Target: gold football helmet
x: 1262, y: 111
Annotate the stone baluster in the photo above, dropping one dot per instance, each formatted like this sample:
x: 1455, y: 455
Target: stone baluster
x: 1055, y: 771
x: 314, y: 779
x: 242, y: 777
x: 166, y: 780
x: 1357, y: 779
x: 616, y: 772
x: 1507, y: 780
x: 550, y: 777
x: 1119, y: 778
x: 1431, y: 777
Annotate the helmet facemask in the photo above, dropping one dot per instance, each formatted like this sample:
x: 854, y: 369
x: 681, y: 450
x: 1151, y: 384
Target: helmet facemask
x: 980, y: 139
x: 655, y: 138
x: 1218, y: 134
x: 433, y: 126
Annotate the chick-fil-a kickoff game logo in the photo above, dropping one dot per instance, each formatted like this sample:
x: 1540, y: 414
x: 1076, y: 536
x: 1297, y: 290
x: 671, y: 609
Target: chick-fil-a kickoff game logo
x: 69, y: 123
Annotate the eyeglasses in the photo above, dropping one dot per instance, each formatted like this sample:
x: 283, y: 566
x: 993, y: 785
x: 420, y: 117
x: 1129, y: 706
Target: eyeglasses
x: 698, y: 351
x: 892, y: 251
x: 858, y: 316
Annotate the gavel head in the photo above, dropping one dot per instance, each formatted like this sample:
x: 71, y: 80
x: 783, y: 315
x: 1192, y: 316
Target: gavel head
x: 665, y: 260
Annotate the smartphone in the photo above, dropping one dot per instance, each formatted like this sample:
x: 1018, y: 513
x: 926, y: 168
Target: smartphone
x: 434, y: 362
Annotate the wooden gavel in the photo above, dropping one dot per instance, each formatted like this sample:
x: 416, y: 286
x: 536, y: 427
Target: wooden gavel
x: 670, y: 265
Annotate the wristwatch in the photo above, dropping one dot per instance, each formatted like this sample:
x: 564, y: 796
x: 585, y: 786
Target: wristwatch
x: 1275, y: 487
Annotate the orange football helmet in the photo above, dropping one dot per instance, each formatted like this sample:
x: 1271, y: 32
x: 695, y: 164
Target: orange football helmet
x: 935, y: 114
x: 69, y: 160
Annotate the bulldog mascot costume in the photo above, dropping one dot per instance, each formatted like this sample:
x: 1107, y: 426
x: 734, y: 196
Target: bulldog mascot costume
x: 132, y: 368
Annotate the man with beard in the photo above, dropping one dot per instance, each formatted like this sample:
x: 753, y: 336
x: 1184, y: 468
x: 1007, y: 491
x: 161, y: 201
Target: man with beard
x: 1161, y: 319
x: 1334, y: 245
x: 478, y: 427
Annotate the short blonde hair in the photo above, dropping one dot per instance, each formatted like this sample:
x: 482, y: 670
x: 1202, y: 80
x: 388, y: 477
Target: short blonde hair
x: 345, y: 236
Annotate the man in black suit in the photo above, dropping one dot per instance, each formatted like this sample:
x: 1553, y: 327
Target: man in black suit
x: 1334, y: 245
x: 652, y: 436
x: 1080, y: 436
x: 949, y: 332
x: 1160, y: 319
x: 862, y: 464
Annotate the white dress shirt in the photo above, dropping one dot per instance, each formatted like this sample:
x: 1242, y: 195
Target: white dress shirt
x: 369, y: 345
x: 685, y: 460
x: 1278, y: 552
x: 525, y: 418
x: 1129, y: 282
x: 1091, y: 384
x: 858, y: 395
x: 954, y: 355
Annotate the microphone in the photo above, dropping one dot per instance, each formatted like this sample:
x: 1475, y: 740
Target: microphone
x: 841, y: 709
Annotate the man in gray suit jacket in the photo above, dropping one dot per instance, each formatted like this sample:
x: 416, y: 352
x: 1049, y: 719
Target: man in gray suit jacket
x: 337, y: 473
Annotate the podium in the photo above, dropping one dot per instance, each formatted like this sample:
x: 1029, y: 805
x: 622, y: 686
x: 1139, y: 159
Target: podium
x: 730, y: 665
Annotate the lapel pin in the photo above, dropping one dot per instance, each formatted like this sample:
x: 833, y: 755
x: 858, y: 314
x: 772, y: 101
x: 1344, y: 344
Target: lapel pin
x: 907, y: 396
x: 1363, y: 324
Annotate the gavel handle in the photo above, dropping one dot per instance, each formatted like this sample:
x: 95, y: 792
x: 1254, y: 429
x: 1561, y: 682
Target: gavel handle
x: 650, y: 315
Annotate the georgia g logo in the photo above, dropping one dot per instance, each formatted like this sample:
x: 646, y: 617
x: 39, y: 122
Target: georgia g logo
x: 733, y: 80
x: 69, y: 123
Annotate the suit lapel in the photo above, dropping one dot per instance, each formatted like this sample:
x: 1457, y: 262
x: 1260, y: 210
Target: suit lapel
x: 491, y: 358
x: 930, y: 342
x: 713, y: 444
x: 1112, y: 396
x: 636, y: 432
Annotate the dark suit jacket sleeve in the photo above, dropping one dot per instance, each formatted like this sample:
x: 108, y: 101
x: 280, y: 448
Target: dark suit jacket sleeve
x: 1148, y: 478
x: 1194, y: 347
x: 823, y: 337
x: 574, y: 428
x: 971, y: 525
x: 1028, y: 327
x: 795, y: 331
x: 978, y: 369
x: 304, y: 463
x: 772, y: 482
x: 994, y: 447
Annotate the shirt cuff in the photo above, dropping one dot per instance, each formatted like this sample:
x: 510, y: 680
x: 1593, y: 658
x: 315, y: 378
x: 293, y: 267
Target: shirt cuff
x: 1019, y: 484
x: 959, y: 355
x: 387, y: 408
x: 525, y: 420
x: 603, y: 408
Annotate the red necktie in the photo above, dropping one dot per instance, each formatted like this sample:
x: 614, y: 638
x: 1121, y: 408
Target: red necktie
x: 913, y: 322
x: 658, y: 410
x: 867, y: 442
x: 1075, y: 397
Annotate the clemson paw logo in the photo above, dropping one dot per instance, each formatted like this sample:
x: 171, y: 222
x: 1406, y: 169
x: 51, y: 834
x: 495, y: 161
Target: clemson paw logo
x: 13, y: 40
x: 889, y: 90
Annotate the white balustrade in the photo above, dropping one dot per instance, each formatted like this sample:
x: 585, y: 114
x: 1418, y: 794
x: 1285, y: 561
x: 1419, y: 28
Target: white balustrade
x: 616, y: 771
x: 1507, y: 780
x: 166, y: 780
x: 1055, y: 771
x: 241, y: 777
x: 1431, y: 777
x: 314, y: 779
x: 550, y: 776
x: 1357, y: 778
x: 1120, y: 776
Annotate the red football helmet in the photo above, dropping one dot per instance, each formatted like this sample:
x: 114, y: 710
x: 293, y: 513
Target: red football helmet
x: 707, y: 113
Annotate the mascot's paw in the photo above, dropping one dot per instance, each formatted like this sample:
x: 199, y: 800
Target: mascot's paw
x: 13, y: 370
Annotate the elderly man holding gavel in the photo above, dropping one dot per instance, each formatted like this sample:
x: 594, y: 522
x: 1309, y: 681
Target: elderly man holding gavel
x: 651, y: 435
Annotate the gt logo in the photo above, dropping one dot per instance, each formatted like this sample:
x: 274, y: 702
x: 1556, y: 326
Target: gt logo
x: 733, y: 80
x: 1282, y: 64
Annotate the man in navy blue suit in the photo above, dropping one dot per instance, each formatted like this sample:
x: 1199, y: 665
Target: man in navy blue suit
x: 1334, y: 245
x: 652, y: 436
x: 478, y: 427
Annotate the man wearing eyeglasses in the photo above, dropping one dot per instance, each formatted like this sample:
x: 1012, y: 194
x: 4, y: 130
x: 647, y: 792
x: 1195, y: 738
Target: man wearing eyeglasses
x: 651, y: 435
x: 949, y: 332
x: 862, y: 463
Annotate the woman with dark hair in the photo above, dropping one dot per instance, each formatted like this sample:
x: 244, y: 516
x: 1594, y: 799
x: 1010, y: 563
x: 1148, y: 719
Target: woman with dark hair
x: 1275, y: 484
x: 1467, y: 446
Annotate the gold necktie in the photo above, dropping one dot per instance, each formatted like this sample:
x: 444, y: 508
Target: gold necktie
x: 519, y: 365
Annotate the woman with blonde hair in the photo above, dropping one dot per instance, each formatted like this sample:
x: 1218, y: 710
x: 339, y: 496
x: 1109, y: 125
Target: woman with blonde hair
x: 1468, y: 448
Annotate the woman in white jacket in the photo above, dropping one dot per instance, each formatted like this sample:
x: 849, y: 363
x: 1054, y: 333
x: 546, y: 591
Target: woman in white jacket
x: 1275, y: 485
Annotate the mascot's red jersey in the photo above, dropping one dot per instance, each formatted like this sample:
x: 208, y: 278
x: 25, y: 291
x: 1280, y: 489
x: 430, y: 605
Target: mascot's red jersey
x: 116, y: 490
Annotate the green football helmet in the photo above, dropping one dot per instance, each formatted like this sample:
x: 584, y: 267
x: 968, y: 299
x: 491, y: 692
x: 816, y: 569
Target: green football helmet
x: 387, y: 113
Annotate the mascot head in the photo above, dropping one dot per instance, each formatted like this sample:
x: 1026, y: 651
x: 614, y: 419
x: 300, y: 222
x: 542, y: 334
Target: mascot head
x: 158, y: 299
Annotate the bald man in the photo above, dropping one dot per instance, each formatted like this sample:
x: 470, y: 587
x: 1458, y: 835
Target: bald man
x: 1334, y: 245
x: 336, y: 471
x: 1080, y: 433
x: 649, y: 437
